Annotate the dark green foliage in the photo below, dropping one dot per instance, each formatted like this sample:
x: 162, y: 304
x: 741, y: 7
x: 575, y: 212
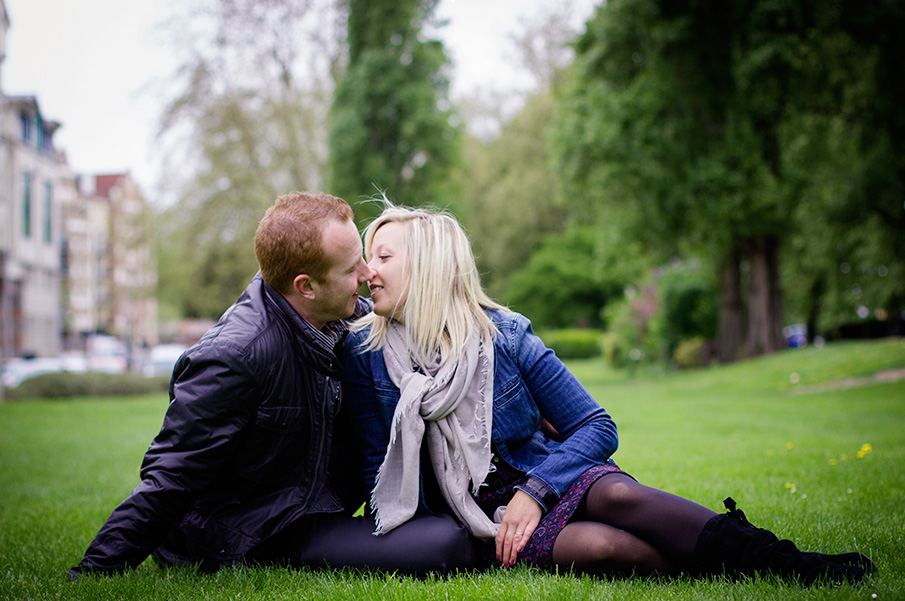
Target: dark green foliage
x: 687, y: 303
x: 571, y: 277
x: 391, y: 123
x: 573, y: 343
x: 709, y: 126
x: 676, y: 303
x: 89, y: 384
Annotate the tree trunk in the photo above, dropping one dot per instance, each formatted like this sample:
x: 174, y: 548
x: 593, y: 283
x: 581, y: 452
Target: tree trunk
x: 732, y: 314
x: 814, y: 303
x: 764, y: 297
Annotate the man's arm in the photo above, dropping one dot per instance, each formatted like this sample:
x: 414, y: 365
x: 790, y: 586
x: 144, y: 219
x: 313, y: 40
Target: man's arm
x: 209, y: 407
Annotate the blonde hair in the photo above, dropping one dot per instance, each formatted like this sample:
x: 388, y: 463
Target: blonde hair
x: 445, y: 301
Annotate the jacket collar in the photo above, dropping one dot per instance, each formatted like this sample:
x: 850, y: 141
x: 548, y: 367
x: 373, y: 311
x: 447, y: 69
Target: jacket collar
x: 321, y: 348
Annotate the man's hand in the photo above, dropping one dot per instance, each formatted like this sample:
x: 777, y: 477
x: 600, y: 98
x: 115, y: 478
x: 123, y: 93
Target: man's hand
x: 522, y: 516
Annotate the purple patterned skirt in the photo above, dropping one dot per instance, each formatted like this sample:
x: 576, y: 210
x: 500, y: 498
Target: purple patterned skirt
x: 539, y: 550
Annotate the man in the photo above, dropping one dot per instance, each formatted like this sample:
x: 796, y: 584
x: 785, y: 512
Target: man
x: 246, y: 465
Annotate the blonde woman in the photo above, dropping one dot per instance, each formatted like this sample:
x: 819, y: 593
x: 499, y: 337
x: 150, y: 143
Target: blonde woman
x: 449, y: 394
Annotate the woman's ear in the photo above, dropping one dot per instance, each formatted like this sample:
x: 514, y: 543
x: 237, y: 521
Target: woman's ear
x: 304, y: 286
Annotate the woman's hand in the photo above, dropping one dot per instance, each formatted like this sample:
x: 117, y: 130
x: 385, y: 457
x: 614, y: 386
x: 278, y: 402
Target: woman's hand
x: 522, y: 516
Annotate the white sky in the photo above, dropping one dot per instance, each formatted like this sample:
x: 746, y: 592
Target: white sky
x: 90, y: 63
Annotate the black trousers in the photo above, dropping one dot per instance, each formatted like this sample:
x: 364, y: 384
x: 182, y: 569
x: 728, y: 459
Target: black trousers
x: 425, y: 544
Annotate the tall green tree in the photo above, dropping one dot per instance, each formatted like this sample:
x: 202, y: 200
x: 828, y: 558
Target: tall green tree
x: 392, y: 125
x: 677, y: 119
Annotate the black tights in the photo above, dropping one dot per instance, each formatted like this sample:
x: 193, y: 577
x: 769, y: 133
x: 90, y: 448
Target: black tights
x: 623, y: 526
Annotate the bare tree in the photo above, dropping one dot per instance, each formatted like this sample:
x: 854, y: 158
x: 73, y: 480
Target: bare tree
x: 246, y: 119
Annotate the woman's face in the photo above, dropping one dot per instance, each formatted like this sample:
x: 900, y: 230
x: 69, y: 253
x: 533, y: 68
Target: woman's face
x: 389, y: 283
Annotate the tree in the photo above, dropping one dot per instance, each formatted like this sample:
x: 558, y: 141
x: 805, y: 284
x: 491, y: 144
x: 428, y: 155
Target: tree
x: 392, y: 123
x: 572, y: 276
x: 245, y: 122
x: 510, y: 197
x: 677, y: 119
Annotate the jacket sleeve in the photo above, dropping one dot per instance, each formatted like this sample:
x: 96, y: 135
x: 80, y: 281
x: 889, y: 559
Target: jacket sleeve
x: 210, y: 404
x: 588, y: 432
x: 364, y: 412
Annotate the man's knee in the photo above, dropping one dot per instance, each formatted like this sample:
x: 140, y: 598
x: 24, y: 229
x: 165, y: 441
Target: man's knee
x: 439, y: 543
x: 422, y: 545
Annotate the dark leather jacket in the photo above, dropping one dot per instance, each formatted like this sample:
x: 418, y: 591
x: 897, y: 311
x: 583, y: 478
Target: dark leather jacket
x: 246, y: 443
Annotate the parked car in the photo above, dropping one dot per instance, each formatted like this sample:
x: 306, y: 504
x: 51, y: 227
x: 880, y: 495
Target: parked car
x: 107, y: 354
x: 17, y: 370
x: 162, y: 358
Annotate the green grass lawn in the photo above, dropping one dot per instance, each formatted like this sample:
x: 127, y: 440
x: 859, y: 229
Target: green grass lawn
x: 770, y: 432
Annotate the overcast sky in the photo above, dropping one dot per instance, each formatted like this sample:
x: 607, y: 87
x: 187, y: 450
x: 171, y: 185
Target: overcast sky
x: 59, y: 51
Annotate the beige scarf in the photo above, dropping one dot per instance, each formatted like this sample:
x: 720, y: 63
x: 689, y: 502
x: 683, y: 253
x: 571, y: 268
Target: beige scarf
x: 454, y: 403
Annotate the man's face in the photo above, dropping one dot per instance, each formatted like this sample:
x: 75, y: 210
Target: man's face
x: 337, y: 291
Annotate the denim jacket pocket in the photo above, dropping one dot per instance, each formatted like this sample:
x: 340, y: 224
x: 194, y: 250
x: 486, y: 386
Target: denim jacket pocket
x: 515, y: 415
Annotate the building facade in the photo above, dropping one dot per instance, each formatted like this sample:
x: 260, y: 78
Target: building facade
x: 127, y: 272
x: 33, y: 176
x: 76, y: 252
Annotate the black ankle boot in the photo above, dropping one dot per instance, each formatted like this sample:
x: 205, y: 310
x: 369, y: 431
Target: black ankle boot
x: 730, y: 544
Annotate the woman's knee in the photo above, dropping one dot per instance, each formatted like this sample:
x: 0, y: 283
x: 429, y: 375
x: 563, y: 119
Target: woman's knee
x: 614, y: 493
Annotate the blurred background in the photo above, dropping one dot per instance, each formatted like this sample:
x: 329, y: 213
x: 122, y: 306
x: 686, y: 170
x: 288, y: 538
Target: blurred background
x: 656, y: 181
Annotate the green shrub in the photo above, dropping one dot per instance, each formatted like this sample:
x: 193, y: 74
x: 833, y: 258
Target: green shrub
x: 629, y: 340
x: 574, y: 343
x: 688, y: 303
x: 691, y: 353
x: 67, y: 384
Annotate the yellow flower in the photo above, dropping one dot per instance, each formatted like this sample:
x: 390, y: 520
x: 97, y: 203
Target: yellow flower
x: 790, y: 485
x: 865, y: 449
x: 789, y: 446
x: 834, y: 461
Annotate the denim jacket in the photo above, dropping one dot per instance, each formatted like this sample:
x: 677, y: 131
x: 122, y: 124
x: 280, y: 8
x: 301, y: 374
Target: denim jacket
x: 529, y: 383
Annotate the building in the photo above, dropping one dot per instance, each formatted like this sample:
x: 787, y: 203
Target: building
x: 87, y: 279
x: 109, y: 264
x: 32, y: 176
x: 76, y: 252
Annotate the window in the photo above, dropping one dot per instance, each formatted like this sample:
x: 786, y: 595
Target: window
x: 48, y: 212
x: 47, y: 143
x: 39, y: 129
x: 26, y: 205
x: 25, y: 120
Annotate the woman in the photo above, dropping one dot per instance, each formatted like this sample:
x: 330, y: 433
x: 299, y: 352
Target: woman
x: 439, y: 362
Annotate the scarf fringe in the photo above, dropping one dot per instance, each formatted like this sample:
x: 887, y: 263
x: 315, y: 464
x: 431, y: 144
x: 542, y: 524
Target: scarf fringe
x: 459, y: 443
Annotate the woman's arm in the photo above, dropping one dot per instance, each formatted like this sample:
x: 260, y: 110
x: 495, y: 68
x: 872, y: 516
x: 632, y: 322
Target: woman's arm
x: 588, y: 432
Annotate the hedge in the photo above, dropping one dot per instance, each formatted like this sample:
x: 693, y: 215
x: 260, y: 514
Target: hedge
x: 68, y: 384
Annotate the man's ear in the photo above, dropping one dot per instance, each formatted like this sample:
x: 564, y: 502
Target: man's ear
x: 304, y: 286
